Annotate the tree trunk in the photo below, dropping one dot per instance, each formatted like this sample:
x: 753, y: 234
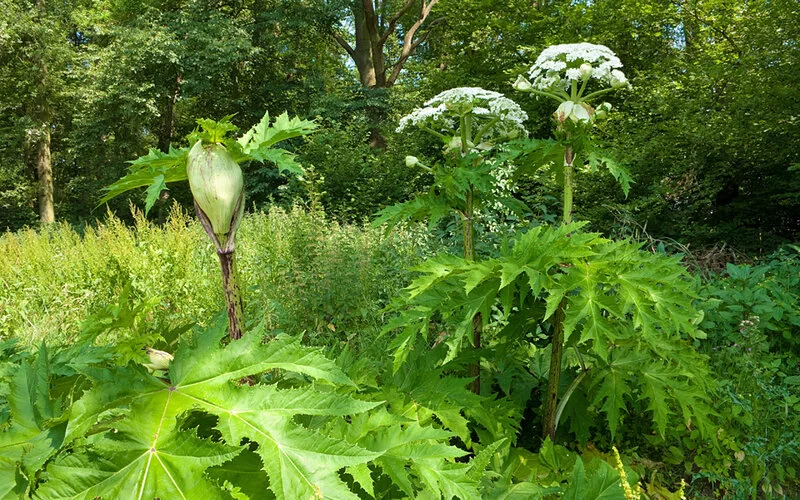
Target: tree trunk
x: 44, y: 171
x: 371, y: 34
x: 168, y: 117
x: 42, y: 116
x: 368, y: 54
x: 368, y: 58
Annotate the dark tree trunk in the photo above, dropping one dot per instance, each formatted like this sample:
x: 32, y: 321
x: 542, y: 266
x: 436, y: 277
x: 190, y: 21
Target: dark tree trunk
x: 42, y: 116
x: 168, y: 117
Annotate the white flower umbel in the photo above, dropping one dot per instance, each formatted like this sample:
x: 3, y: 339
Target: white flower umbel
x: 564, y: 71
x: 491, y: 115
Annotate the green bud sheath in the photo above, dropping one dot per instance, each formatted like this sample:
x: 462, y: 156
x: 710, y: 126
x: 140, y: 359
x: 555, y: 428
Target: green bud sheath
x: 216, y: 183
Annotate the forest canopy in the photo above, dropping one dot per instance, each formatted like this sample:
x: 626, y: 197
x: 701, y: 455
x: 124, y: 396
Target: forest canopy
x: 709, y: 128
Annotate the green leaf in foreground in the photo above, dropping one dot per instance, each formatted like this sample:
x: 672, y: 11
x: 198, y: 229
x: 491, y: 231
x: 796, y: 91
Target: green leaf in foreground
x: 146, y: 450
x: 36, y: 430
x: 154, y: 169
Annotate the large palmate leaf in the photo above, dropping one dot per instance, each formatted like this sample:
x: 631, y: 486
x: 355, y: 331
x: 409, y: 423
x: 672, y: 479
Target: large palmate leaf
x: 611, y: 388
x: 603, y: 482
x: 426, y: 410
x: 155, y: 170
x: 171, y: 466
x: 619, y: 172
x: 257, y: 141
x: 36, y: 429
x: 145, y: 448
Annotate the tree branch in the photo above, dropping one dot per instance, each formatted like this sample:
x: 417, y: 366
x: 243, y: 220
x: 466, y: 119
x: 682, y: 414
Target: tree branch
x: 393, y: 21
x: 343, y: 43
x: 720, y: 31
x: 409, y: 44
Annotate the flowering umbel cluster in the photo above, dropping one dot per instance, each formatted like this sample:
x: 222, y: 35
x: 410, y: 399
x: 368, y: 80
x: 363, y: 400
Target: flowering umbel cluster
x: 559, y: 66
x: 443, y: 112
x: 564, y: 72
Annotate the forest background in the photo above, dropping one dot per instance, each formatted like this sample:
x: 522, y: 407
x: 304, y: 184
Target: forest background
x: 709, y: 130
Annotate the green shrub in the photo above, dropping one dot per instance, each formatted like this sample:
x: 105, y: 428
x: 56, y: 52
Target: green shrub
x: 301, y: 271
x: 55, y: 278
x: 767, y: 295
x: 752, y: 316
x: 306, y: 272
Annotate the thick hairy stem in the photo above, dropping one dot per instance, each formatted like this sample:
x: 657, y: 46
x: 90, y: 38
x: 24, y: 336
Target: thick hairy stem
x: 474, y: 369
x: 551, y: 412
x: 233, y: 298
x: 569, y: 173
x: 226, y: 246
x: 469, y: 231
x: 554, y: 378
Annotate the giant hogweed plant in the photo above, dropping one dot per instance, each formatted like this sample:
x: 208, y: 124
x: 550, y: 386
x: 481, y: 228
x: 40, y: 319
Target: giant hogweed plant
x: 563, y: 73
x: 627, y: 315
x: 261, y: 417
x: 211, y: 165
x: 471, y: 124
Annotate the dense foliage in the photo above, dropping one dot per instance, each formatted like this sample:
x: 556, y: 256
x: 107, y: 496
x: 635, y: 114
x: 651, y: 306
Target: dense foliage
x: 709, y: 128
x: 500, y: 351
x: 302, y: 272
x: 307, y: 274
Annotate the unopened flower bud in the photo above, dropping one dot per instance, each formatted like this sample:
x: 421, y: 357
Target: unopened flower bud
x: 577, y: 112
x: 602, y: 111
x: 454, y: 143
x: 522, y: 84
x: 618, y: 79
x: 581, y: 112
x: 159, y: 360
x: 216, y: 183
x: 412, y: 161
x: 586, y: 70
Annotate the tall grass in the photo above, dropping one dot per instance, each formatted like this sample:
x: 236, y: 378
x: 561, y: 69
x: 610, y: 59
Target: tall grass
x: 301, y: 272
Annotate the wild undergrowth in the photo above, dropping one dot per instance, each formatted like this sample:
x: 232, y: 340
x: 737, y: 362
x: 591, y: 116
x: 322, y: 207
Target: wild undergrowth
x: 752, y: 316
x: 98, y: 297
x: 300, y: 270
